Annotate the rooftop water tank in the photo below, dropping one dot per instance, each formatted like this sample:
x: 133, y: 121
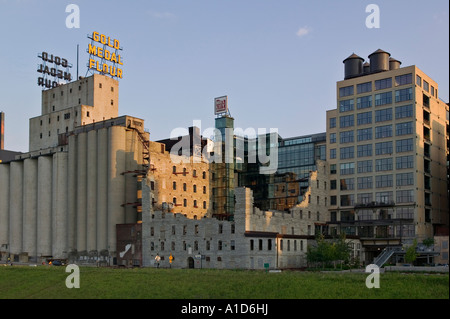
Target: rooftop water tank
x: 353, y: 66
x: 366, y: 68
x: 379, y: 61
x: 394, y: 64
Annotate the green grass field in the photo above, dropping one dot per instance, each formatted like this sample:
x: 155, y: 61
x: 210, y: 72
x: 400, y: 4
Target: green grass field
x: 48, y: 282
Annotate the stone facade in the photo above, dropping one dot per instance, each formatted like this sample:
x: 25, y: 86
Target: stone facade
x: 179, y: 184
x: 255, y: 239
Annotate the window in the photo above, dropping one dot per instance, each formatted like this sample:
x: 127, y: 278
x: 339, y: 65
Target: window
x: 383, y: 115
x: 346, y: 106
x: 364, y: 198
x: 347, y: 152
x: 418, y: 80
x: 67, y: 116
x: 364, y: 134
x: 383, y: 164
x: 174, y: 200
x: 403, y: 79
x: 195, y: 203
x: 384, y: 181
x: 346, y: 121
x: 174, y: 169
x: 194, y: 188
x: 260, y: 244
x: 364, y: 87
x: 204, y: 204
x: 364, y: 118
x: 347, y: 184
x: 346, y: 137
x: 383, y: 98
x: 332, y: 153
x: 204, y: 189
x: 346, y: 91
x: 404, y: 145
x: 333, y: 200
x: 364, y: 102
x: 364, y: 150
x: 252, y: 244
x: 383, y: 84
x: 384, y: 148
x: 332, y: 122
x: 364, y: 183
x: 332, y: 169
x: 333, y: 184
x: 347, y: 200
x: 403, y: 95
x: 365, y: 166
x: 426, y: 86
x: 405, y: 196
x: 405, y: 212
x: 174, y: 185
x: 347, y: 168
x: 403, y: 111
x: 383, y: 131
x: 384, y: 197
x: 404, y: 179
x: 219, y: 246
x: 204, y: 175
x: 404, y: 162
x: 185, y: 202
x: 404, y: 128
x: 332, y: 138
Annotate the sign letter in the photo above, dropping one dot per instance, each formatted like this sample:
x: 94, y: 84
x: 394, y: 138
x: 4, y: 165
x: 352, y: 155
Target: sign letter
x: 73, y: 19
x: 73, y: 280
x: 373, y: 19
x: 373, y: 280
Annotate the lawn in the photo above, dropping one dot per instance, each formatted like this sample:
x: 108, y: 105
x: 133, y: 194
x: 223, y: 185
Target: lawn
x: 49, y: 282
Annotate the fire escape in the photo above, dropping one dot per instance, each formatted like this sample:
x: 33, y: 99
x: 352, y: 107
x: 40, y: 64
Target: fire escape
x: 141, y: 173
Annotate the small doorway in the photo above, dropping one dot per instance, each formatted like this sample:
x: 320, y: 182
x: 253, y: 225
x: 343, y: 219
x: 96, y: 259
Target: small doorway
x: 190, y: 262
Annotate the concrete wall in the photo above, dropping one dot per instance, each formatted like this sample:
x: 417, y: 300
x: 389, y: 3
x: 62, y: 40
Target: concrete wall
x: 88, y: 100
x: 66, y: 204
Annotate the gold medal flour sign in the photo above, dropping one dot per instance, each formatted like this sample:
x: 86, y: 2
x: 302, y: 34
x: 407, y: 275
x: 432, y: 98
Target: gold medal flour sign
x: 104, y: 55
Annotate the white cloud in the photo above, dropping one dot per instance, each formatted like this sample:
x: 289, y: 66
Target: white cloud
x: 303, y: 31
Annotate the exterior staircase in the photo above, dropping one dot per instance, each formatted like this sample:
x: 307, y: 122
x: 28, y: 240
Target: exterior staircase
x: 385, y: 255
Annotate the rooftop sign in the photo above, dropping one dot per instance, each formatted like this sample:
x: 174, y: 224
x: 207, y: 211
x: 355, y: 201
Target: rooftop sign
x: 52, y: 71
x: 221, y: 105
x: 104, y: 55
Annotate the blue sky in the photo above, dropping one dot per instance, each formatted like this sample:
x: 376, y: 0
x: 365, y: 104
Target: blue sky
x: 278, y: 61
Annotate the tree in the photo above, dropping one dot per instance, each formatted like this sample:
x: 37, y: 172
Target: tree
x: 428, y: 242
x: 411, y: 254
x: 327, y: 252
